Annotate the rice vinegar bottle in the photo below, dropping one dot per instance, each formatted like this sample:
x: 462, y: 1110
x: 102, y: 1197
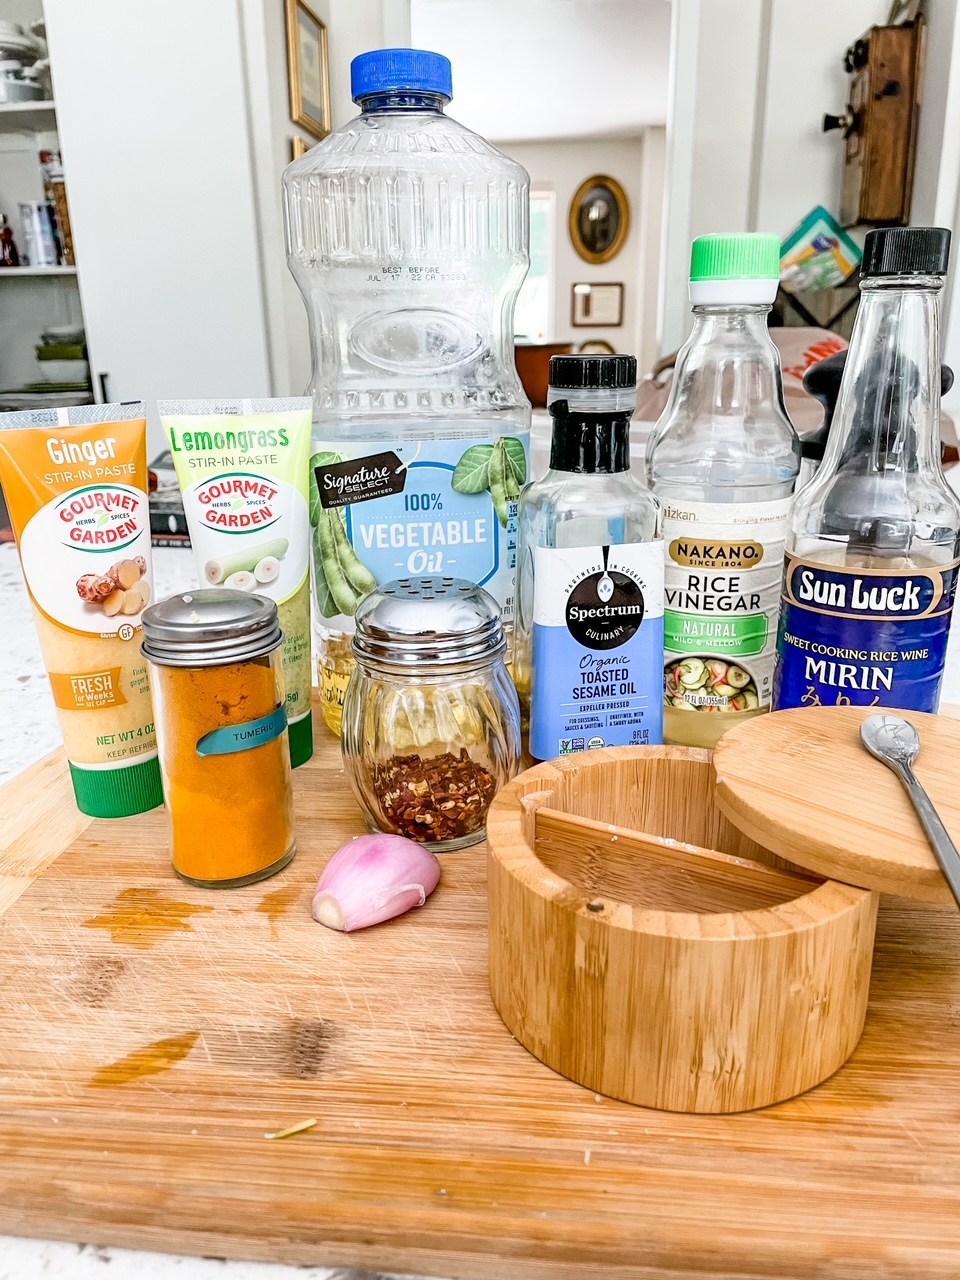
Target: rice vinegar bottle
x: 723, y: 460
x: 872, y: 543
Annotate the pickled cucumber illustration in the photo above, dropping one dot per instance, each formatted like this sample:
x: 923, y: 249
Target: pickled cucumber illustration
x: 708, y: 684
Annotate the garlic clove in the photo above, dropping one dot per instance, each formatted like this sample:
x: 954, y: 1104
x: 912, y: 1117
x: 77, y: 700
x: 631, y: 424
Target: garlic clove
x: 374, y: 878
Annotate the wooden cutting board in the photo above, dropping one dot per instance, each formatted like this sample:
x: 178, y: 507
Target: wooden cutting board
x: 152, y: 1033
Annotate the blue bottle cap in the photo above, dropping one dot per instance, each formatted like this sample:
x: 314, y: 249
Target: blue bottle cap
x: 383, y: 70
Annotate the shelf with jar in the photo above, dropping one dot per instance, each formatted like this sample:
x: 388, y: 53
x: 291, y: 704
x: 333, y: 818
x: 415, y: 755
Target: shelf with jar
x: 43, y: 356
x: 28, y: 117
x: 7, y: 273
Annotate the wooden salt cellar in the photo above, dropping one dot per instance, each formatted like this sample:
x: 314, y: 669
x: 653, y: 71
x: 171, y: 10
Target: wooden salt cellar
x: 665, y: 959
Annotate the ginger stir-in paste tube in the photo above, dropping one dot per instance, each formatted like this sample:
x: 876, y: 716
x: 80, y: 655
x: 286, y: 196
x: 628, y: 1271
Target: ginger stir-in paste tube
x: 243, y: 468
x: 76, y: 485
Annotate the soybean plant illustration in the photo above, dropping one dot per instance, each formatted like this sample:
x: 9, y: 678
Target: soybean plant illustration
x: 340, y: 577
x: 500, y: 467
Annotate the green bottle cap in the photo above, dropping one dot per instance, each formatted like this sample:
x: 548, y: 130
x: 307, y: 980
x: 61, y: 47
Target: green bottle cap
x: 301, y: 739
x: 119, y: 792
x: 751, y: 256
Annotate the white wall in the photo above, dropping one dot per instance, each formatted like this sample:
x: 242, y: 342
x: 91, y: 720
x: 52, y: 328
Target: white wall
x: 174, y: 151
x: 535, y: 70
x: 751, y: 82
x: 651, y: 228
x: 936, y: 186
x: 636, y: 163
x: 353, y: 26
x: 799, y: 165
x: 156, y: 148
x: 935, y: 183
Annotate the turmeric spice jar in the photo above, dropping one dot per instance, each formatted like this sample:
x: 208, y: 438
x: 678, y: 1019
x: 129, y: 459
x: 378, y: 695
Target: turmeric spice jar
x: 216, y: 672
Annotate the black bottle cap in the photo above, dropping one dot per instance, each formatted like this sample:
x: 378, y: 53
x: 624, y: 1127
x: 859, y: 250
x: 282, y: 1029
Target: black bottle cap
x: 906, y: 251
x: 571, y: 373
x: 589, y: 444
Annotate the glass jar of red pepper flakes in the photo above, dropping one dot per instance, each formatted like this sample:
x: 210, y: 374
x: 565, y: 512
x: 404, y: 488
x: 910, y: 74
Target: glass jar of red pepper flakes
x: 431, y: 721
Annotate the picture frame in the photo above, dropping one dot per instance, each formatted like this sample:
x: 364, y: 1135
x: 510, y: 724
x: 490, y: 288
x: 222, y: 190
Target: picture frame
x: 308, y: 69
x: 299, y: 146
x: 599, y: 218
x: 597, y: 306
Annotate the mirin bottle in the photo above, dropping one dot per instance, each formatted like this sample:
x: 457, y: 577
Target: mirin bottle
x: 872, y: 544
x: 590, y: 579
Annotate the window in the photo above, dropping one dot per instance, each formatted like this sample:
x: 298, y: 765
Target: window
x: 533, y: 319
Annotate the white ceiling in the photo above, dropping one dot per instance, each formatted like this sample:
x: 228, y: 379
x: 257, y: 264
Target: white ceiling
x: 530, y: 69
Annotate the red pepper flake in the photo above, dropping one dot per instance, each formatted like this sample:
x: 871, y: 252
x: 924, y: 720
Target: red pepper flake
x: 441, y: 798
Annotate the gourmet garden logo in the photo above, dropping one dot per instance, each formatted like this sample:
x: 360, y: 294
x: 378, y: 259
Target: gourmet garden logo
x: 238, y: 502
x: 101, y: 517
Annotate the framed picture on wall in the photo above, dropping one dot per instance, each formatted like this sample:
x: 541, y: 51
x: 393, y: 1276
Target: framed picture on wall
x: 600, y: 305
x: 599, y: 218
x: 308, y: 68
x: 299, y: 146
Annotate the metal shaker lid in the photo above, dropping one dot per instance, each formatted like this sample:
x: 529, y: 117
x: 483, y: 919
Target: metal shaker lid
x: 427, y: 622
x: 209, y: 627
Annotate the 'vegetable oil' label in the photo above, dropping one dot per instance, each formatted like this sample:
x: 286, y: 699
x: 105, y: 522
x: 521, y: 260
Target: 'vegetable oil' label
x: 597, y: 648
x: 863, y: 637
x: 724, y: 563
x: 414, y: 508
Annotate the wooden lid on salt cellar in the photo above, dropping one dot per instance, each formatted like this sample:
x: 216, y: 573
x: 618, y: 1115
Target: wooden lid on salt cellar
x: 802, y: 784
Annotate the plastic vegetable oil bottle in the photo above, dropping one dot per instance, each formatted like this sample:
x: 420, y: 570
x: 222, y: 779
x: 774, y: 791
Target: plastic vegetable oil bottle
x: 408, y: 237
x: 873, y: 539
x: 590, y: 580
x: 723, y: 460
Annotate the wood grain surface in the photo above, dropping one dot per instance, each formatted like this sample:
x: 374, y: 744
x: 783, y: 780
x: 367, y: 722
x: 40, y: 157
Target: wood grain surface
x: 151, y: 1033
x: 801, y: 783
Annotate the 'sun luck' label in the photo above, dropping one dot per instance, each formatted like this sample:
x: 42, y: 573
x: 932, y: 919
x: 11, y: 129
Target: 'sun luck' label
x: 863, y: 637
x: 597, y: 648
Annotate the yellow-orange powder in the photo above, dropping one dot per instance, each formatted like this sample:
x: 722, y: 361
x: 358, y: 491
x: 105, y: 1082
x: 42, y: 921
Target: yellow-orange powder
x: 231, y: 815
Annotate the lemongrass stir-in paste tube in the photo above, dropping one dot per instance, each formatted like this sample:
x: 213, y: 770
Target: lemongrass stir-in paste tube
x: 76, y: 485
x: 243, y: 469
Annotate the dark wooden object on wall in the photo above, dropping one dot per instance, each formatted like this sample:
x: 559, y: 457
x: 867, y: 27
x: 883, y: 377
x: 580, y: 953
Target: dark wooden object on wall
x: 880, y: 124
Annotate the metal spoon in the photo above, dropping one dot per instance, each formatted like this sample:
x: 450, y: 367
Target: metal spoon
x: 896, y: 742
